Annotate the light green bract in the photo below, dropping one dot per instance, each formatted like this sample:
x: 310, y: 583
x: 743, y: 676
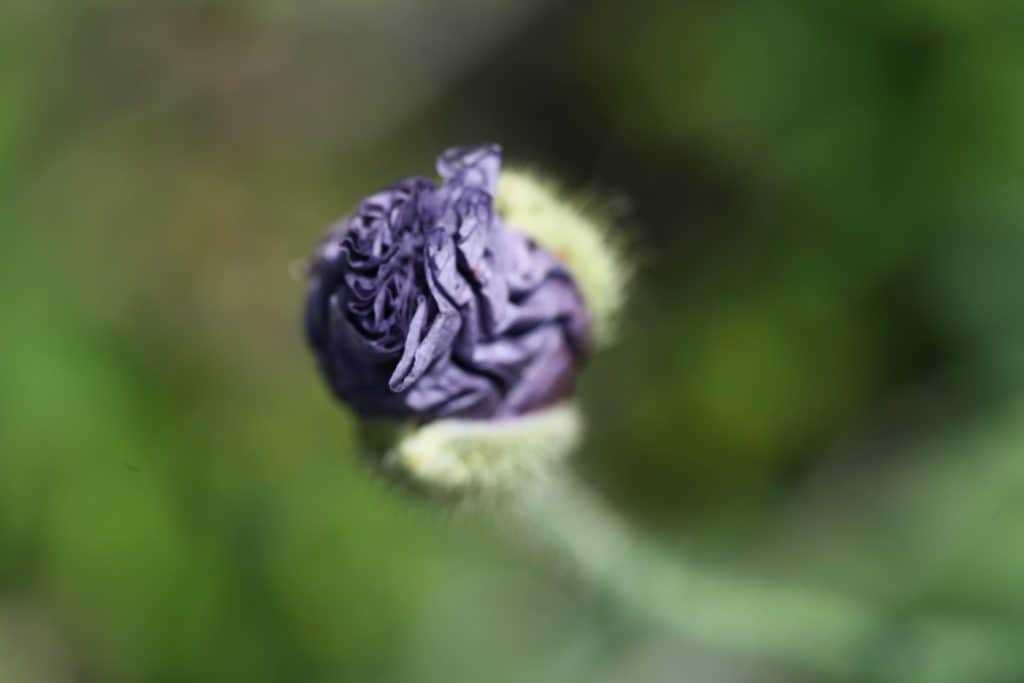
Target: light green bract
x: 595, y: 260
x: 459, y: 457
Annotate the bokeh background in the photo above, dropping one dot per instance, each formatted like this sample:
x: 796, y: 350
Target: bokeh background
x: 819, y: 382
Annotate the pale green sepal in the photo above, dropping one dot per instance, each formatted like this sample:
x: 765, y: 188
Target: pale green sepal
x: 584, y: 245
x: 459, y: 457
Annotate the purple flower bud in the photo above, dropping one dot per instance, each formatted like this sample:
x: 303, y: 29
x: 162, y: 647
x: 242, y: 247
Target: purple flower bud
x: 425, y: 304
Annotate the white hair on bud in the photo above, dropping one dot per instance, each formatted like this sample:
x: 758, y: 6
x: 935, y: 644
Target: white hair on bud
x: 460, y: 456
x: 586, y: 247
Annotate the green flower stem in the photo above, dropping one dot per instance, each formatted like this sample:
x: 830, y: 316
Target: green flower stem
x: 515, y: 468
x: 826, y: 632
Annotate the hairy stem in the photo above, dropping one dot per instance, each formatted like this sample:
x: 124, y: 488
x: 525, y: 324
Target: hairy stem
x: 829, y: 633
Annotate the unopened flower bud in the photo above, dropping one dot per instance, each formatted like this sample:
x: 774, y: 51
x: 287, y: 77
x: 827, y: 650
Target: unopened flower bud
x: 465, y: 309
x: 425, y: 304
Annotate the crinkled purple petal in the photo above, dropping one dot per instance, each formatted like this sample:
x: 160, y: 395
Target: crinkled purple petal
x: 424, y: 304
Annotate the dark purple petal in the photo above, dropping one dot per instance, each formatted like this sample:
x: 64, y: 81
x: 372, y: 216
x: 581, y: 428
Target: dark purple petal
x: 424, y: 304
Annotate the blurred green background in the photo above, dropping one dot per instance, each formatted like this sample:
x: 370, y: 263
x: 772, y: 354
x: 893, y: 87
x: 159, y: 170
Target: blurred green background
x: 820, y: 380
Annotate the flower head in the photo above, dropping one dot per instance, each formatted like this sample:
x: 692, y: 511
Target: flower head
x: 425, y: 304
